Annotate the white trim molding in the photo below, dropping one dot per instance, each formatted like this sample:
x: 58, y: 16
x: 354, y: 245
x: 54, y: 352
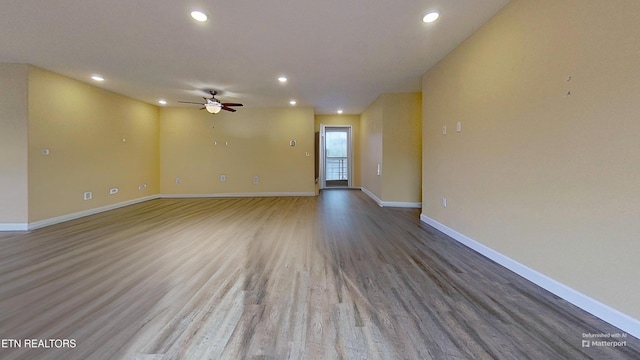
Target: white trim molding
x: 413, y: 205
x: 236, y: 195
x: 77, y: 215
x: 372, y: 195
x: 592, y: 306
x: 14, y: 226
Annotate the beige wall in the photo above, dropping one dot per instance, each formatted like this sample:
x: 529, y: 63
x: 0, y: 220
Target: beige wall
x: 545, y: 178
x: 258, y: 145
x: 83, y: 127
x: 371, y: 147
x: 354, y: 122
x: 99, y: 140
x: 391, y: 136
x: 13, y: 144
x: 402, y: 147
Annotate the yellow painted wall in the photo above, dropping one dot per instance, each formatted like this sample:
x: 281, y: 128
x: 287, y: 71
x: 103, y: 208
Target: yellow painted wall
x: 13, y: 144
x: 258, y: 145
x: 548, y: 179
x: 391, y: 137
x: 83, y: 127
x: 402, y: 147
x: 371, y: 147
x: 354, y: 122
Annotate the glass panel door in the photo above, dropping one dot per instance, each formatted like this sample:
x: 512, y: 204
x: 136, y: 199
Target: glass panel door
x: 337, y: 162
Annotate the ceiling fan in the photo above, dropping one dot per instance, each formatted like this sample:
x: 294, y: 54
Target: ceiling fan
x: 213, y: 105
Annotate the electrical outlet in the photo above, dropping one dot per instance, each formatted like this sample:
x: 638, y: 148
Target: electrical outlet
x: 256, y: 179
x: 45, y: 152
x: 113, y: 191
x: 459, y: 126
x: 223, y: 178
x: 444, y: 130
x: 88, y: 195
x: 177, y: 180
x: 444, y: 202
x: 142, y: 187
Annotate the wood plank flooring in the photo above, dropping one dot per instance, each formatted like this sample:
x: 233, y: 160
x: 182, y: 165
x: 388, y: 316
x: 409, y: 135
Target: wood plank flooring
x: 332, y: 277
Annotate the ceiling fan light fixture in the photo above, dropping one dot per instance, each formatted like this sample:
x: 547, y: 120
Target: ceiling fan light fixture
x: 213, y: 108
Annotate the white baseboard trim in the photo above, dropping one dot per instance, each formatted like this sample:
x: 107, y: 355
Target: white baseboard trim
x: 372, y: 195
x: 236, y: 195
x: 14, y: 226
x: 77, y: 215
x: 413, y: 205
x: 592, y: 306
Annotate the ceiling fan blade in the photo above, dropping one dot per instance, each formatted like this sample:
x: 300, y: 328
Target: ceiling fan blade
x: 224, y: 107
x: 231, y: 104
x: 190, y: 102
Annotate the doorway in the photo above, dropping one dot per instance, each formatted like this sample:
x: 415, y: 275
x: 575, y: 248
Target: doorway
x: 336, y: 157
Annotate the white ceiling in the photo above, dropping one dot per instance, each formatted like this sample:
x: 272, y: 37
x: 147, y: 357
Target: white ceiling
x: 336, y: 53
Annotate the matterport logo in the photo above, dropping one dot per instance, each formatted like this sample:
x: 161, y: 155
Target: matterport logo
x: 604, y: 340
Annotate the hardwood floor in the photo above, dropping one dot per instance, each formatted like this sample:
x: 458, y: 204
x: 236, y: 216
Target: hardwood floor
x: 333, y: 277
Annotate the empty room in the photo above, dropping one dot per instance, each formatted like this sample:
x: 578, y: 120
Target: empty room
x: 305, y: 179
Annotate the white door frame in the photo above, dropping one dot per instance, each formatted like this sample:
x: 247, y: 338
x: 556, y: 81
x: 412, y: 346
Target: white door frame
x: 323, y: 153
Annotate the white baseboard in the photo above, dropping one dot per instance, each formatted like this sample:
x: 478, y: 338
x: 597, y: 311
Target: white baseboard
x: 414, y: 205
x: 373, y: 196
x: 14, y: 226
x: 77, y: 215
x: 594, y: 307
x: 236, y: 195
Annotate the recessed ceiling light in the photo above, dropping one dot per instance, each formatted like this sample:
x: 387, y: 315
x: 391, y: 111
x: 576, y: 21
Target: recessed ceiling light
x: 282, y: 79
x: 162, y: 102
x: 198, y: 16
x: 292, y: 102
x: 340, y: 111
x: 97, y: 77
x: 431, y: 17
